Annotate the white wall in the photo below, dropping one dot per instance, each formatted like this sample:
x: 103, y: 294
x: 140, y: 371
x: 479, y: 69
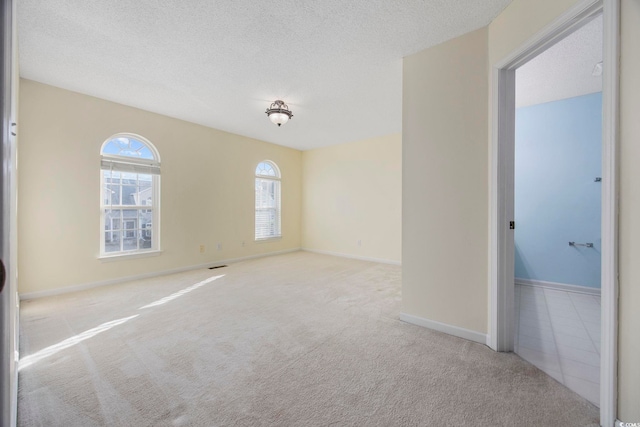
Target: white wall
x: 445, y: 183
x: 207, y: 190
x: 352, y: 192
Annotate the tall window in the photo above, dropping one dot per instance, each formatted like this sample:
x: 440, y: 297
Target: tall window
x: 267, y: 201
x: 129, y: 202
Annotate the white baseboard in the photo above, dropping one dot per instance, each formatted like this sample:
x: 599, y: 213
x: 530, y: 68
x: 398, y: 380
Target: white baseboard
x: 84, y: 286
x: 443, y: 327
x: 558, y: 286
x: 361, y: 258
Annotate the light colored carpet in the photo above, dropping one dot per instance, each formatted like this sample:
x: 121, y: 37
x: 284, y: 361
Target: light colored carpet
x: 293, y: 340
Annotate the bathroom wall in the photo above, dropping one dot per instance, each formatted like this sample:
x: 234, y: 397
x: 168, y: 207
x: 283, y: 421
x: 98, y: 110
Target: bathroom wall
x: 558, y: 156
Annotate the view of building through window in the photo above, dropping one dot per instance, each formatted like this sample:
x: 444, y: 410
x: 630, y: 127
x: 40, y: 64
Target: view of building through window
x: 130, y: 172
x: 128, y: 229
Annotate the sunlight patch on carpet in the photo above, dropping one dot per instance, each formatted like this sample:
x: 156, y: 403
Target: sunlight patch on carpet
x: 180, y: 293
x: 25, y: 362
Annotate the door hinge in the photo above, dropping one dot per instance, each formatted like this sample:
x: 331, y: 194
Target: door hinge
x: 512, y: 225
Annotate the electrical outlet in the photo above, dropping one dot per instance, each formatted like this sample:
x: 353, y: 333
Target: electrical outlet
x: 243, y: 243
x: 219, y: 246
x: 359, y: 242
x: 202, y: 249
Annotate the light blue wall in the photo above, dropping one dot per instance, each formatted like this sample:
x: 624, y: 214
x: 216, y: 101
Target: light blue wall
x: 558, y: 155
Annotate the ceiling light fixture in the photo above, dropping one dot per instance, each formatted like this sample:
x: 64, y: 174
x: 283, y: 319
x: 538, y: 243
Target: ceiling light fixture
x: 279, y: 113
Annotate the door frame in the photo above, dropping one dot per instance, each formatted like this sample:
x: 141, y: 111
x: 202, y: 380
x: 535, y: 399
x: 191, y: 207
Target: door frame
x: 8, y: 216
x: 501, y: 333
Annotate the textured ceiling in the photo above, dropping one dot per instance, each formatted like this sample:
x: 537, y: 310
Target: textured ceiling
x: 564, y: 70
x: 337, y: 63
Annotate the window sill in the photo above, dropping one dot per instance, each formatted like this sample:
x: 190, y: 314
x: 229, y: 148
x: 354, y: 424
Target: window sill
x: 268, y: 239
x: 121, y: 257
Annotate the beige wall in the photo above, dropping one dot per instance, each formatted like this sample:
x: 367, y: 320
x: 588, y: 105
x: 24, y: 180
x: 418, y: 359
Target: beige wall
x: 352, y: 192
x: 207, y: 190
x: 445, y: 183
x: 429, y: 90
x: 629, y: 348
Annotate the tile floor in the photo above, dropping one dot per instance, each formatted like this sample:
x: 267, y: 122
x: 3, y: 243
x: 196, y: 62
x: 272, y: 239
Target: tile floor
x: 559, y: 332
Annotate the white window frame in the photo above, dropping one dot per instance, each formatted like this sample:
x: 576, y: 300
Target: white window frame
x: 277, y: 179
x: 132, y: 165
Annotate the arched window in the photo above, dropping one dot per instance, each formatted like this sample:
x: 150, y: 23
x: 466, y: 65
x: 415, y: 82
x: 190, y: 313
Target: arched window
x: 267, y: 201
x: 129, y: 202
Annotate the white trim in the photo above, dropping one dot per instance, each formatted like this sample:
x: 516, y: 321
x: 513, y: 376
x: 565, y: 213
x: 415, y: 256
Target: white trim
x: 563, y: 26
x: 499, y: 276
x: 610, y: 195
x: 443, y: 327
x: 502, y: 263
x: 558, y: 286
x: 85, y: 286
x: 358, y: 257
x: 122, y: 256
x: 268, y: 239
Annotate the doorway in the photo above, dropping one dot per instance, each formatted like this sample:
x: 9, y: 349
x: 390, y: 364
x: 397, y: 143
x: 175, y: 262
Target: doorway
x: 502, y: 250
x: 557, y: 189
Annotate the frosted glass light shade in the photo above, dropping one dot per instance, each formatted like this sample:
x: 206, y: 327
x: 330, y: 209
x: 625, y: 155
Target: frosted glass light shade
x: 278, y: 118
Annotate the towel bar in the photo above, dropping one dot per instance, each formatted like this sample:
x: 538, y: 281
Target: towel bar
x: 588, y: 245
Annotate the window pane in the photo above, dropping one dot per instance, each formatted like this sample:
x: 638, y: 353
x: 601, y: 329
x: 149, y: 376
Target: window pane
x: 111, y: 188
x: 112, y: 193
x: 112, y: 219
x: 145, y: 190
x: 129, y: 147
x: 265, y: 169
x: 111, y: 241
x: 145, y: 178
x: 267, y: 223
x: 145, y: 233
x: 129, y: 229
x: 266, y: 193
x: 111, y: 177
x: 129, y: 243
x: 129, y: 194
x: 145, y: 153
x: 106, y: 194
x: 116, y: 196
x: 267, y: 216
